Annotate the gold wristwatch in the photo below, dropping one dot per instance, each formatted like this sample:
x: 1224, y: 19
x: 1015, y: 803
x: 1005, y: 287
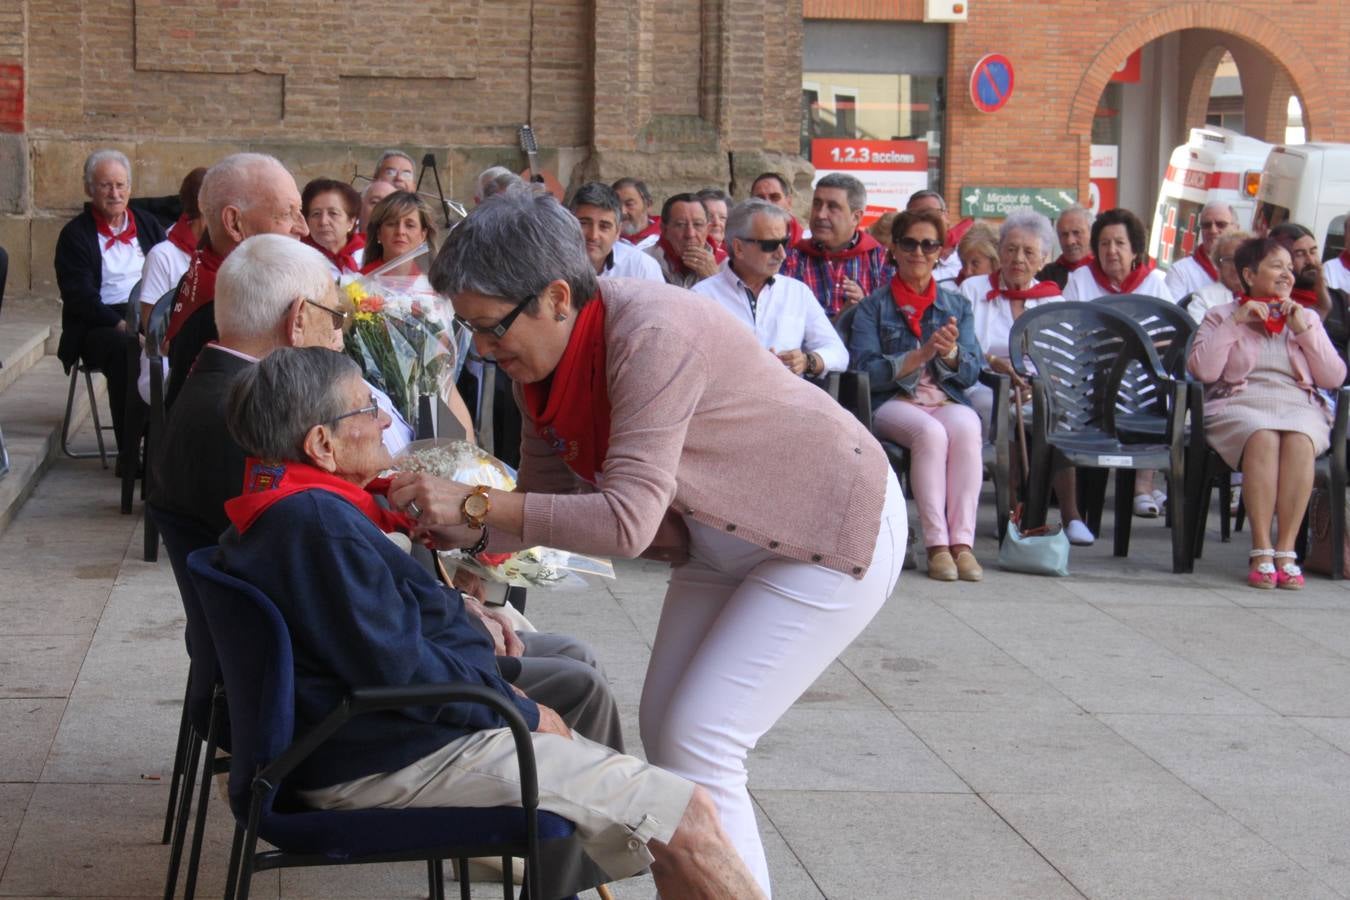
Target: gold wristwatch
x: 476, y: 507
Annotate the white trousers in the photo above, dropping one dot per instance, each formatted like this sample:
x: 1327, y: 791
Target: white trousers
x: 743, y: 633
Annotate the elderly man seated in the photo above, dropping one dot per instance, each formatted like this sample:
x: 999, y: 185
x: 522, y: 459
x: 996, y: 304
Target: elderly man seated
x: 683, y: 252
x: 361, y: 612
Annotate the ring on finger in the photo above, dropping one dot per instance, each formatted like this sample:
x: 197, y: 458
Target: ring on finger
x: 414, y: 510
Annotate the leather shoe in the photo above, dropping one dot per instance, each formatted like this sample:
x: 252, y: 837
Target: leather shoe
x: 968, y: 567
x: 941, y: 566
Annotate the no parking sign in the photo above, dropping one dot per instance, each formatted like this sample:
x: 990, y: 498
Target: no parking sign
x: 991, y: 82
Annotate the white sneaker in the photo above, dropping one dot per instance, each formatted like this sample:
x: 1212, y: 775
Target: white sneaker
x: 1078, y: 534
x: 1145, y: 507
x: 1160, y: 498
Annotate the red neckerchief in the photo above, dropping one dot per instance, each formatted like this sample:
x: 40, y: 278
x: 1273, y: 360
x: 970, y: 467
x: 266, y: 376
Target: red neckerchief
x: 861, y: 244
x: 1274, y: 323
x: 1306, y: 297
x: 1039, y: 291
x: 913, y: 305
x: 1201, y: 256
x: 571, y: 408
x: 105, y: 230
x: 1344, y: 257
x: 180, y: 235
x: 956, y: 232
x: 1132, y: 280
x: 344, y: 259
x: 653, y: 227
x: 794, y: 231
x: 265, y: 483
x: 197, y: 289
x: 1074, y: 266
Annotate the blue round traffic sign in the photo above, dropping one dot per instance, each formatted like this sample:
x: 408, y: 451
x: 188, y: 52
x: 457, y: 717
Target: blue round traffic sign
x: 991, y: 82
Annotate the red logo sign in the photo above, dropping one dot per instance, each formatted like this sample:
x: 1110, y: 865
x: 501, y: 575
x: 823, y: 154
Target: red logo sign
x: 991, y: 82
x: 845, y: 153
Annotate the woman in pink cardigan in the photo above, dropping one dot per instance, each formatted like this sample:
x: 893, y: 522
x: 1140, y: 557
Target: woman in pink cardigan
x: 1262, y: 359
x: 656, y: 425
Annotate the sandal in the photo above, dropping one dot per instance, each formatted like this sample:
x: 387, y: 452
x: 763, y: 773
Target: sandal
x: 1263, y: 576
x: 1289, y: 576
x: 1145, y: 507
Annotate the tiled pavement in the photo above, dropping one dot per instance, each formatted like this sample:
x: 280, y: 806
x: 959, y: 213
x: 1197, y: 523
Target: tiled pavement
x: 1120, y: 733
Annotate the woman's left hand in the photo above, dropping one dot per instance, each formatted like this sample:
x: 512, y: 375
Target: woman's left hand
x: 439, y: 501
x: 1294, y: 315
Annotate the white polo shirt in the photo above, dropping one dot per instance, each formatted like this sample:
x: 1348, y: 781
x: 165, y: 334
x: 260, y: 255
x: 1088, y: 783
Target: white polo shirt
x: 1336, y: 274
x: 165, y: 265
x: 627, y: 261
x: 994, y: 318
x: 1082, y: 286
x: 1186, y: 277
x: 785, y: 315
x: 122, y: 265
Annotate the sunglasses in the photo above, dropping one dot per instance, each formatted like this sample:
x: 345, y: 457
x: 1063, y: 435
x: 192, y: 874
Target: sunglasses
x: 499, y: 330
x: 768, y: 245
x: 373, y: 410
x: 340, y: 316
x: 909, y: 245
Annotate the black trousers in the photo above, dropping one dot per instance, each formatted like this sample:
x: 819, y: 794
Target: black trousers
x: 106, y: 350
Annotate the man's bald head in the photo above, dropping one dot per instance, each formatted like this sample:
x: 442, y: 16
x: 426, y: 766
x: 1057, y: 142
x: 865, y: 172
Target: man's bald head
x: 246, y: 194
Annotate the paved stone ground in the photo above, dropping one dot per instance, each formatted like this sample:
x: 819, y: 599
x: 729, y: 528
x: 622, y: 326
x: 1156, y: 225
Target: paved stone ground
x: 1121, y: 733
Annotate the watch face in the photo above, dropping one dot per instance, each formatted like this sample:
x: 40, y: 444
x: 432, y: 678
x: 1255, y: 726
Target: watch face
x: 475, y: 506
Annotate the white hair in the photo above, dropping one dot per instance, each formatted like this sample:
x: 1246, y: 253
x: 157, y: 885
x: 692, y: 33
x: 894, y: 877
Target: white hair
x: 260, y: 280
x: 494, y: 180
x: 234, y: 182
x: 391, y: 154
x: 1030, y: 222
x: 1074, y: 209
x: 1221, y: 204
x: 98, y: 158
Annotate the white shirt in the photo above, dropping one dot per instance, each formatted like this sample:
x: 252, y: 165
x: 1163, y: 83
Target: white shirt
x: 1336, y: 274
x: 399, y: 434
x: 1208, y: 297
x: 786, y: 315
x: 1186, y: 277
x: 122, y: 265
x: 627, y: 261
x: 994, y: 318
x: 1082, y: 286
x: 165, y: 265
x: 949, y: 268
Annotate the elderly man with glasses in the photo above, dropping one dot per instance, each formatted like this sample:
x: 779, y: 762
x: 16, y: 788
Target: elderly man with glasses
x: 396, y: 168
x: 781, y: 311
x: 1191, y: 273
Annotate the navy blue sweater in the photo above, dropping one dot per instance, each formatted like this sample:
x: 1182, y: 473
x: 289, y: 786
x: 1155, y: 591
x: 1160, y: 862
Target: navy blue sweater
x: 362, y: 613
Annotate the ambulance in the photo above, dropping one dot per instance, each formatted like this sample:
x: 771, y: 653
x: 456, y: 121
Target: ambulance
x: 1308, y: 184
x: 1215, y: 164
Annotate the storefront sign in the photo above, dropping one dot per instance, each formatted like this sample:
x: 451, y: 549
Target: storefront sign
x: 890, y: 170
x: 997, y: 202
x: 1104, y: 172
x: 991, y: 82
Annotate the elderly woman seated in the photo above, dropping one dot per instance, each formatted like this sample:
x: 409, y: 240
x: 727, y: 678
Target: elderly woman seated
x: 916, y: 342
x: 1262, y: 359
x: 978, y: 250
x: 308, y: 533
x: 998, y: 300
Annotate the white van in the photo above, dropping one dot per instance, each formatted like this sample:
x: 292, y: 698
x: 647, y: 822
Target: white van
x: 1215, y: 164
x: 1308, y: 184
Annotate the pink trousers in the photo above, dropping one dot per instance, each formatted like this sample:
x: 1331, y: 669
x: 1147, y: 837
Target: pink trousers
x: 945, y: 469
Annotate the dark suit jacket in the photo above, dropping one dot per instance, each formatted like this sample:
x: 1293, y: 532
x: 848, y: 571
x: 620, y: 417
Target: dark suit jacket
x: 1055, y: 272
x: 79, y: 274
x: 198, y: 466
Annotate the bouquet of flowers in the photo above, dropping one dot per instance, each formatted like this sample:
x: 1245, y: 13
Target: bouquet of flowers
x: 401, y: 338
x: 533, y: 567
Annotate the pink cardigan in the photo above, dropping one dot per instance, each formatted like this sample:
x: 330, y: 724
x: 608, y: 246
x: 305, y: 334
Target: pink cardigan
x: 1223, y: 353
x: 708, y: 424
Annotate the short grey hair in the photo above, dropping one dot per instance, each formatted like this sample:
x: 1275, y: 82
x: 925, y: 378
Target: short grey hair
x: 857, y: 194
x: 234, y: 182
x: 599, y: 195
x: 927, y: 194
x: 261, y: 278
x: 494, y: 180
x: 511, y: 247
x: 741, y: 219
x: 1031, y: 222
x: 1220, y: 204
x: 714, y: 194
x: 273, y: 405
x: 1074, y: 209
x: 393, y: 154
x: 98, y: 158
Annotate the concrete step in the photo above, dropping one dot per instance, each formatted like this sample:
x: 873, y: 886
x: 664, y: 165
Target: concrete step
x: 31, y: 410
x: 29, y: 327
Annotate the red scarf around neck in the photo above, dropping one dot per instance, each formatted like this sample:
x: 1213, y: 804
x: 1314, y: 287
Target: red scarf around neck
x: 653, y: 227
x: 1274, y: 323
x: 1201, y: 256
x: 571, y: 409
x: 1086, y: 260
x: 794, y: 231
x: 180, y: 235
x: 862, y: 243
x: 676, y: 261
x: 913, y: 305
x: 344, y: 259
x: 1132, y: 280
x: 265, y: 483
x: 1039, y: 291
x: 1345, y: 257
x: 1306, y: 297
x: 197, y: 289
x: 104, y: 227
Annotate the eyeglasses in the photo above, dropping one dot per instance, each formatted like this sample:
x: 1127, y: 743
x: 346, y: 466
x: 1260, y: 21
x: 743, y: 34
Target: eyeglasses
x: 497, y: 331
x: 390, y: 172
x: 768, y: 245
x: 340, y: 316
x: 909, y: 245
x: 373, y: 410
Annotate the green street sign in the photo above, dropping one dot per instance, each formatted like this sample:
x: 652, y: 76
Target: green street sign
x: 997, y: 202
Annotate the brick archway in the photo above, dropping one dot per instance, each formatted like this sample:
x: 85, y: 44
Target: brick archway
x: 1241, y: 23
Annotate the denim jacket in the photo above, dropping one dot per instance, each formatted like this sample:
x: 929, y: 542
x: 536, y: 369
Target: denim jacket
x: 880, y: 337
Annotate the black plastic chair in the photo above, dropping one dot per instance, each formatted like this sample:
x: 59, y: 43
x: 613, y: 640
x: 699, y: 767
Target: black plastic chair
x: 1082, y: 353
x: 253, y: 646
